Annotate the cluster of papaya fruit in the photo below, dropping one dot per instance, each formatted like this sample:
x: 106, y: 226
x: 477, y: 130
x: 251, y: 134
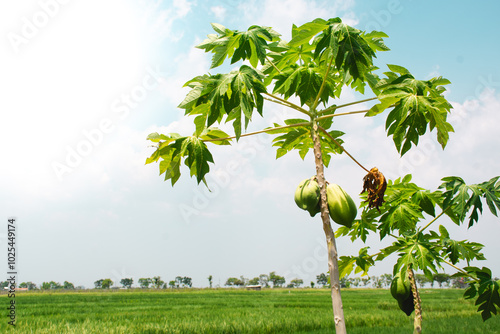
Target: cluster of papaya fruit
x: 401, y: 291
x: 340, y: 205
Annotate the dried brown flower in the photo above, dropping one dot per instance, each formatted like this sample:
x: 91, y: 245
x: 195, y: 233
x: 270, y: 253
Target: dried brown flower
x: 374, y: 182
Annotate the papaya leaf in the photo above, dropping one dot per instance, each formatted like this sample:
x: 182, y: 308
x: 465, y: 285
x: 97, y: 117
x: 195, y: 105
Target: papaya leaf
x: 458, y: 250
x: 346, y: 265
x: 460, y: 198
x: 418, y: 252
x: 249, y: 45
x: 305, y: 82
x: 299, y: 138
x: 360, y: 263
x: 352, y: 50
x: 303, y: 34
x: 486, y: 289
x: 418, y: 105
x: 210, y: 134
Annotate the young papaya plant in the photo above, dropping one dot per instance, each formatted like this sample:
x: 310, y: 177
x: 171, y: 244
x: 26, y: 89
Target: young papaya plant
x: 306, y: 75
x: 403, y: 217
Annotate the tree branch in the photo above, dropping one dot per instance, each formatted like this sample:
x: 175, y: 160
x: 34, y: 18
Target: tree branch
x: 345, y: 105
x: 436, y: 218
x: 323, y: 84
x: 343, y: 149
x: 261, y: 131
x: 461, y: 270
x: 269, y: 60
x: 343, y: 114
x: 287, y: 103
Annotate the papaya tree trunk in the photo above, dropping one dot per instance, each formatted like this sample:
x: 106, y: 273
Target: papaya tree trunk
x: 417, y: 323
x: 338, y: 310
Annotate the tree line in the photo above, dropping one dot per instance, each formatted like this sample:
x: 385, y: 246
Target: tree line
x: 271, y: 280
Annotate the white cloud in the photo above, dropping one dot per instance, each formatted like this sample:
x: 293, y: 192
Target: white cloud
x: 219, y: 12
x: 281, y: 14
x: 160, y: 18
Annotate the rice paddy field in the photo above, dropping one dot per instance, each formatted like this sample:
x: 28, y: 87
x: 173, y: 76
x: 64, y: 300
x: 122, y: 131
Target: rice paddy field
x: 236, y: 311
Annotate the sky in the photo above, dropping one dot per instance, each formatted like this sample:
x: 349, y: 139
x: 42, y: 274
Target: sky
x: 82, y: 84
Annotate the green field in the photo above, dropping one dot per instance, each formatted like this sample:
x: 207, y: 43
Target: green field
x: 237, y: 311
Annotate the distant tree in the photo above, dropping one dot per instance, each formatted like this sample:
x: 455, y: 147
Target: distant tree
x: 28, y: 285
x: 244, y: 280
x: 345, y: 282
x: 377, y: 282
x: 355, y: 281
x: 459, y: 283
x: 312, y: 284
x: 45, y: 286
x: 98, y: 284
x: 107, y: 283
x: 68, y: 286
x: 4, y: 284
x: 322, y: 279
x: 171, y: 284
x: 55, y: 285
x: 254, y: 281
x: 366, y: 280
x: 210, y: 281
x: 296, y: 282
x: 178, y: 281
x: 441, y: 278
x: 187, y: 281
x: 277, y: 280
x: 264, y: 280
x: 145, y: 282
x: 234, y: 281
x: 157, y: 282
x: 422, y: 280
x: 386, y: 279
x: 127, y: 282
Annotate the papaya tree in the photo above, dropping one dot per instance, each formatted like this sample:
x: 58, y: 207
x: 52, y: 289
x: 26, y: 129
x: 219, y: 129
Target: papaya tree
x: 307, y: 75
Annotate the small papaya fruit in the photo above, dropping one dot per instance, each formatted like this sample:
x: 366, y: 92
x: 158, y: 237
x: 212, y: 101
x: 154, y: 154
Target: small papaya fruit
x: 341, y: 206
x: 407, y: 305
x: 401, y: 291
x: 307, y: 196
x: 400, y: 288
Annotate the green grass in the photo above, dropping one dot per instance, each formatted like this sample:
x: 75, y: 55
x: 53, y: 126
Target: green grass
x: 237, y: 311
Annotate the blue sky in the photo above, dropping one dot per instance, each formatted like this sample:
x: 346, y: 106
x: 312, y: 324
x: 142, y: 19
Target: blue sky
x: 84, y: 83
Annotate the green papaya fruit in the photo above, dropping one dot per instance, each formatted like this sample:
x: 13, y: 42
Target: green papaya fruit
x: 407, y: 305
x: 400, y: 287
x: 341, y: 206
x: 307, y: 196
x: 401, y: 291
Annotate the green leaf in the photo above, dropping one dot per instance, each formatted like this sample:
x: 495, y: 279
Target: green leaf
x: 213, y: 133
x: 417, y: 252
x: 306, y: 32
x: 305, y: 82
x: 299, y: 138
x: 486, y: 289
x: 249, y: 45
x: 352, y: 51
x: 418, y: 105
x: 215, y: 97
x: 460, y: 198
x: 398, y: 69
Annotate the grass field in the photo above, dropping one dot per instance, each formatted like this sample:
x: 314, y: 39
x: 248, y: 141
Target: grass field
x: 237, y: 311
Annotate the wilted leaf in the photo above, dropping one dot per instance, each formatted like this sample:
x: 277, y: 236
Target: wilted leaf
x: 375, y: 184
